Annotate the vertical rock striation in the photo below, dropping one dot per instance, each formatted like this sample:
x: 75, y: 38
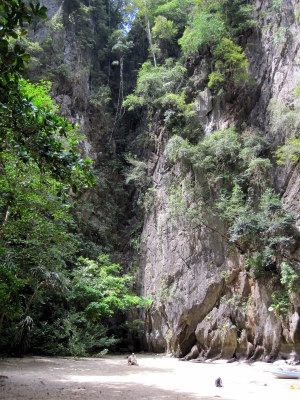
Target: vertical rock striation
x: 72, y: 50
x: 205, y: 304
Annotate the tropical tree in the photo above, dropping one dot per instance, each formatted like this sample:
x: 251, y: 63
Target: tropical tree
x: 40, y: 170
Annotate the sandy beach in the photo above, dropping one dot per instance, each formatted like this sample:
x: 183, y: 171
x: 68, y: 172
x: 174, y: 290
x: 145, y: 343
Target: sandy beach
x: 156, y: 377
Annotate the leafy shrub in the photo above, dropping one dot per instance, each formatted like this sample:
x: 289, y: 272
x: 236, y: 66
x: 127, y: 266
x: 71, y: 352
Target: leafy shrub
x: 84, y: 320
x: 214, y: 153
x: 175, y: 10
x: 164, y: 33
x: 204, y: 28
x: 178, y: 149
x: 154, y: 83
x: 288, y: 276
x: 283, y: 117
x: 289, y: 152
x: 230, y: 62
x: 163, y: 29
x: 215, y: 79
x: 137, y: 172
x: 231, y: 184
x: 239, y: 15
x: 265, y: 232
x: 276, y: 5
x: 258, y: 171
x: 281, y: 302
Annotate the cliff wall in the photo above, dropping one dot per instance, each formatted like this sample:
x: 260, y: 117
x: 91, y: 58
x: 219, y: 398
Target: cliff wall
x: 205, y: 302
x: 71, y: 49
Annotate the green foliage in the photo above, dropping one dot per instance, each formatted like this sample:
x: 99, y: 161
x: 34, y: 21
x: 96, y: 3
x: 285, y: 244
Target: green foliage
x: 180, y: 116
x: 164, y: 33
x: 185, y: 203
x: 231, y: 181
x: 33, y: 130
x: 38, y: 94
x: 233, y: 205
x: 276, y: 5
x: 221, y: 152
x: 166, y: 293
x: 100, y: 289
x: 281, y: 35
x: 121, y: 45
x: 230, y: 62
x: 270, y: 226
x: 34, y: 230
x: 80, y: 319
x: 175, y: 10
x: 178, y: 149
x: 239, y: 15
x: 132, y: 102
x: 101, y: 97
x: 213, y: 154
x: 33, y: 204
x: 14, y: 17
x: 148, y: 199
x: 212, y: 28
x: 204, y: 28
x: 289, y: 152
x: 154, y: 83
x: 281, y: 302
x: 163, y: 29
x: 137, y: 172
x: 213, y: 160
x: 216, y: 79
x: 10, y: 286
x: 212, y: 22
x: 218, y: 150
x: 286, y: 118
x: 283, y: 117
x: 67, y: 332
x: 99, y: 293
x: 39, y: 165
x: 288, y: 277
x: 258, y: 171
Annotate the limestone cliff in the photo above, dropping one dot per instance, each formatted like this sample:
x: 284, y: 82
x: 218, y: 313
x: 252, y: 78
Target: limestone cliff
x: 206, y: 302
x: 72, y: 50
x: 204, y: 299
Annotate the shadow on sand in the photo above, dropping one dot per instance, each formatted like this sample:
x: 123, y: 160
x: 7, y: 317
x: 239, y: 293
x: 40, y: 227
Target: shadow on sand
x: 104, y: 379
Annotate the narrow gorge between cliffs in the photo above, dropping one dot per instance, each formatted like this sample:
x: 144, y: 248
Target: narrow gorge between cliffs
x: 186, y: 239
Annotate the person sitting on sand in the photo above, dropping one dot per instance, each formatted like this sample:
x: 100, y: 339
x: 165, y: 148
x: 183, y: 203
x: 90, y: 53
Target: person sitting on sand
x: 132, y: 360
x: 218, y: 382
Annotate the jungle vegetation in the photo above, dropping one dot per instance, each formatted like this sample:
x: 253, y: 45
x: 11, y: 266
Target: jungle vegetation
x: 62, y: 288
x: 53, y: 300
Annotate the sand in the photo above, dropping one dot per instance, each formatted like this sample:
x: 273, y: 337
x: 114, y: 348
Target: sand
x: 156, y: 377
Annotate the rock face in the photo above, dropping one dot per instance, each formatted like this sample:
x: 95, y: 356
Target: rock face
x: 70, y: 50
x: 205, y: 305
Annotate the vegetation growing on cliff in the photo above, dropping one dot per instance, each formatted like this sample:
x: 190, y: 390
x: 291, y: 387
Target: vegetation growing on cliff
x: 284, y: 116
x: 225, y: 174
x: 41, y: 175
x: 221, y: 180
x: 135, y: 86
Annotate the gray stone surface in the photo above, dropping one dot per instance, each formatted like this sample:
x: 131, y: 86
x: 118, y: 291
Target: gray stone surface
x: 202, y: 296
